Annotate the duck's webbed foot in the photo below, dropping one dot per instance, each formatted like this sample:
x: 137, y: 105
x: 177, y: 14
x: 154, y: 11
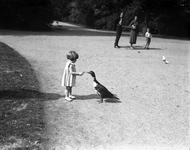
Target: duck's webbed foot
x: 101, y: 100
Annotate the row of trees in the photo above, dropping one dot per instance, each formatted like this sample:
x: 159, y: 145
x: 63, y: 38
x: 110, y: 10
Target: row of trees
x: 170, y: 17
x: 26, y: 14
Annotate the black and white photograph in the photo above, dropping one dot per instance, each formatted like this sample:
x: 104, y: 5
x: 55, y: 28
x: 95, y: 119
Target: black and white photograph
x: 94, y: 75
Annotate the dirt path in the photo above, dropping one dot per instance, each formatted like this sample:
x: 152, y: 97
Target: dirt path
x: 154, y: 108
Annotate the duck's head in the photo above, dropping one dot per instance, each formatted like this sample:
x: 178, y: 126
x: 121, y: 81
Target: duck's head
x: 92, y: 73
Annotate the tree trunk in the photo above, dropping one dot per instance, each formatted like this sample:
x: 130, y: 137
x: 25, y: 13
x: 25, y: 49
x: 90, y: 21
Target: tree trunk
x: 147, y: 19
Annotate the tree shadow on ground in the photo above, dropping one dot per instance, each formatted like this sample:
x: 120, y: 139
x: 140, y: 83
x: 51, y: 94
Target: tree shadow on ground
x: 68, y: 29
x: 140, y: 48
x: 111, y: 100
x: 95, y: 96
x: 61, y: 31
x: 25, y: 93
x: 22, y: 120
x: 87, y: 97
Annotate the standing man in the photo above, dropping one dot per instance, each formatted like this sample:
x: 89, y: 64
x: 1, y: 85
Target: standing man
x: 119, y: 22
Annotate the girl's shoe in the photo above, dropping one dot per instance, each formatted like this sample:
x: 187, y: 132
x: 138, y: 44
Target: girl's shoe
x: 72, y: 97
x: 116, y: 46
x: 68, y: 99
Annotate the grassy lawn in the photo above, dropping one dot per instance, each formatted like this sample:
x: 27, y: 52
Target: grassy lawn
x: 21, y: 111
x: 153, y: 112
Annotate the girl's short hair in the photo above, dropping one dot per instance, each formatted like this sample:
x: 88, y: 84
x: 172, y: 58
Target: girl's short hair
x: 72, y: 55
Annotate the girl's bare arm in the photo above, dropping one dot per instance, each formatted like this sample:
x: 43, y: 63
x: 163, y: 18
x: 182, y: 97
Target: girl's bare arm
x: 77, y: 73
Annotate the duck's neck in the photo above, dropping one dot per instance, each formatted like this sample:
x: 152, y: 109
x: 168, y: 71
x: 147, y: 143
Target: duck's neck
x: 95, y: 82
x: 94, y: 79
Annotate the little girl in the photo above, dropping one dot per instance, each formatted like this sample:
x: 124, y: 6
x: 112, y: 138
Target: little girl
x: 69, y: 75
x: 148, y: 36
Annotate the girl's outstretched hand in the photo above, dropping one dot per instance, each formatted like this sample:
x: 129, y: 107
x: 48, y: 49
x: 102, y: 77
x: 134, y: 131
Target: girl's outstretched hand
x: 81, y: 73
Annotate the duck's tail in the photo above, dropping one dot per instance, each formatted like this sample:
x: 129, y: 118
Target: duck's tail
x: 115, y: 96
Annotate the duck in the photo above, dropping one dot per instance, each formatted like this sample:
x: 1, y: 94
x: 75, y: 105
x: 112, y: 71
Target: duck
x: 101, y: 90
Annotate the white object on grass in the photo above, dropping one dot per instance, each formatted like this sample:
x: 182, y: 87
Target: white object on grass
x: 163, y: 58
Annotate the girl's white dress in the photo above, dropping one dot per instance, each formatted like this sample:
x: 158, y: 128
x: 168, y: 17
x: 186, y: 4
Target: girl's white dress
x: 69, y: 79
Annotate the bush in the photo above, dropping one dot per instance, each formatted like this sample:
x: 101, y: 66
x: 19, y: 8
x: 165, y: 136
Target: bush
x: 30, y: 14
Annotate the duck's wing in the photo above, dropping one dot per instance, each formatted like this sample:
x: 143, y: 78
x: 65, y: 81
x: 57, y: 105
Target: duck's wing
x: 103, y: 91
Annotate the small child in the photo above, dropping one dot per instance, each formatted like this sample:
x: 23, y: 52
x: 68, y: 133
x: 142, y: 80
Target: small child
x: 69, y: 75
x: 148, y: 36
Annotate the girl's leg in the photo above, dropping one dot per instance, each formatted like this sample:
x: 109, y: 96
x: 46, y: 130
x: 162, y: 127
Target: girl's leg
x: 70, y: 94
x: 145, y: 46
x: 67, y: 94
x: 148, y: 45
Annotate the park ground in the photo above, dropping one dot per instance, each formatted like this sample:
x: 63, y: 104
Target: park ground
x: 153, y: 112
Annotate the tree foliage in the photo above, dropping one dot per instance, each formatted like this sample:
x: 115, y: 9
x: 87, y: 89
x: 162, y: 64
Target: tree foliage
x: 162, y: 16
x: 32, y: 14
x: 166, y: 16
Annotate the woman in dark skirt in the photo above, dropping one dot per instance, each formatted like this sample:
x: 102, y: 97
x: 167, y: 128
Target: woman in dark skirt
x: 134, y: 31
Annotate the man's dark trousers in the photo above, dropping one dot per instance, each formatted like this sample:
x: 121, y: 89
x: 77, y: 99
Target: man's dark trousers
x: 118, y: 34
